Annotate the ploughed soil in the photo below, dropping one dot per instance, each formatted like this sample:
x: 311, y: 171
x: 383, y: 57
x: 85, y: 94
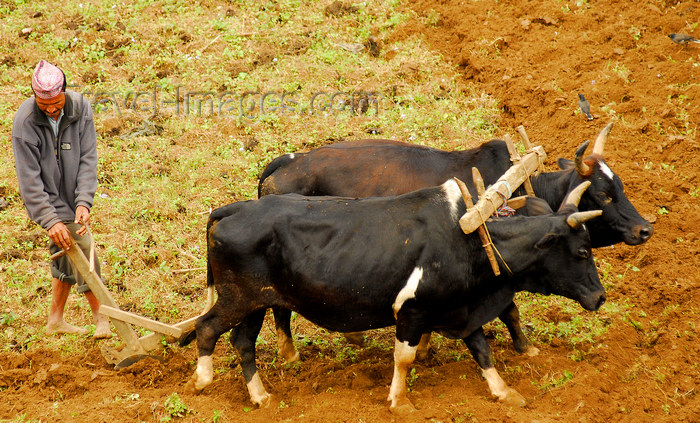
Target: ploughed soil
x: 534, y: 56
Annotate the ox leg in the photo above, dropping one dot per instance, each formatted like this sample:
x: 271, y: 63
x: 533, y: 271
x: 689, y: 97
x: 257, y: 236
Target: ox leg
x: 511, y: 317
x: 285, y: 345
x: 480, y: 349
x: 355, y: 338
x: 209, y: 328
x: 423, y: 349
x: 404, y: 355
x: 408, y: 335
x: 243, y: 338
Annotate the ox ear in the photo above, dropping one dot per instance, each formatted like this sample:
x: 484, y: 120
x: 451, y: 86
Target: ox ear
x: 536, y: 207
x: 547, y: 241
x: 565, y: 164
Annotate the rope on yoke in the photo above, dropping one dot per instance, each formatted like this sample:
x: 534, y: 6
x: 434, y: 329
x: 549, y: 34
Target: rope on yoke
x: 507, y: 184
x: 488, y: 235
x: 504, y: 210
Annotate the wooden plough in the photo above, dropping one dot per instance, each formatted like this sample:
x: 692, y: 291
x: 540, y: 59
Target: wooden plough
x: 134, y: 348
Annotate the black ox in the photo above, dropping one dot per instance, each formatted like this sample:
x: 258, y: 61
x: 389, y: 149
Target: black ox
x: 358, y: 264
x: 370, y: 168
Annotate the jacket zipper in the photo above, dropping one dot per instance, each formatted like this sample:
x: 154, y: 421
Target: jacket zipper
x: 57, y: 144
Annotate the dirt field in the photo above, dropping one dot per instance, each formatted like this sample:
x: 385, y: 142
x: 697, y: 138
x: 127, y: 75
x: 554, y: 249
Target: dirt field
x: 534, y: 57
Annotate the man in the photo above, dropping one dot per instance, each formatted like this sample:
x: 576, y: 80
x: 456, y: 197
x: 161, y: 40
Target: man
x: 55, y: 147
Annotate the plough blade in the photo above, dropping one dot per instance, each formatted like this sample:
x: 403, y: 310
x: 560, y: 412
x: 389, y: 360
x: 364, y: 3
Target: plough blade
x: 133, y: 359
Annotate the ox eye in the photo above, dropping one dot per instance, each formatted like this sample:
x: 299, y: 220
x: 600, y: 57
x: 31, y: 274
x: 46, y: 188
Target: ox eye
x: 584, y: 253
x: 604, y: 198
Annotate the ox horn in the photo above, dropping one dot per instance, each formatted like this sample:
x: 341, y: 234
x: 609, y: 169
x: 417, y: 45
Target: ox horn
x: 575, y: 220
x: 574, y: 197
x: 581, y: 167
x: 600, y: 141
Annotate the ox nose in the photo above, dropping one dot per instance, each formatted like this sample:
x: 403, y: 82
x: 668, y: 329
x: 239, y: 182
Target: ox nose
x: 601, y: 301
x: 645, y: 232
x: 639, y: 234
x: 593, y: 300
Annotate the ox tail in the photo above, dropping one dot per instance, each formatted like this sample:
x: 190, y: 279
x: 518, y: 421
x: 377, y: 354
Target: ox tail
x: 190, y: 334
x: 187, y: 337
x: 274, y: 165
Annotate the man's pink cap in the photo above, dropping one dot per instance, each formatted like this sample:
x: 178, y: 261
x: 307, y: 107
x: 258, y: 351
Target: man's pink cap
x: 47, y: 80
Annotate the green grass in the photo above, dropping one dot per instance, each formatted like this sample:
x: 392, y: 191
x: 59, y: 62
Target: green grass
x: 175, y: 408
x: 160, y: 174
x: 553, y: 381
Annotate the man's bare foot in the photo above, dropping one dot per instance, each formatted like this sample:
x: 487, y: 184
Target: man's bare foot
x: 62, y: 327
x: 102, y: 330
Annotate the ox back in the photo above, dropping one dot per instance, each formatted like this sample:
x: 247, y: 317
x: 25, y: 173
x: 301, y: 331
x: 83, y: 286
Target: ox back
x: 378, y: 168
x: 369, y: 168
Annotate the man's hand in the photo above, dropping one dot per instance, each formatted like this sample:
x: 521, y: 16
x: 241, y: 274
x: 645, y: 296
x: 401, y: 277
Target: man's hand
x: 82, y: 215
x: 60, y: 235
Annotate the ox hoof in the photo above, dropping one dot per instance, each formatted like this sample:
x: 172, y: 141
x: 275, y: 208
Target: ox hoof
x: 356, y: 338
x: 263, y: 401
x: 190, y: 387
x: 291, y: 358
x: 423, y: 355
x: 513, y: 398
x: 531, y: 351
x: 402, y: 407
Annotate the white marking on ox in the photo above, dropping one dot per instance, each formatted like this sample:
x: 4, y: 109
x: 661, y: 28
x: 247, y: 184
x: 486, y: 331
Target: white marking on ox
x: 453, y: 196
x: 499, y: 389
x: 497, y: 386
x: 291, y: 156
x: 409, y: 290
x: 258, y: 394
x: 606, y: 170
x: 204, y: 372
x: 403, y: 357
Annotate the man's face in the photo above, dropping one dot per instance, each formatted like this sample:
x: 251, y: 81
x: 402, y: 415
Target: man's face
x: 52, y: 106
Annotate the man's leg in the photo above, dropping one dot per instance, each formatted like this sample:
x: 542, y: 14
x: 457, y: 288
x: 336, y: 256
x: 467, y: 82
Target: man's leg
x: 56, y: 324
x: 102, y: 330
x: 84, y: 243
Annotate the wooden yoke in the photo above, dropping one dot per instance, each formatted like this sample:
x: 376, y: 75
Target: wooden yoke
x: 481, y: 230
x: 493, y: 197
x: 515, y: 159
x: 523, y: 137
x: 528, y: 145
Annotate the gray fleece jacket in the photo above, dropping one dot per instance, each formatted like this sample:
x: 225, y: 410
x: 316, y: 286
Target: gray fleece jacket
x: 55, y: 174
